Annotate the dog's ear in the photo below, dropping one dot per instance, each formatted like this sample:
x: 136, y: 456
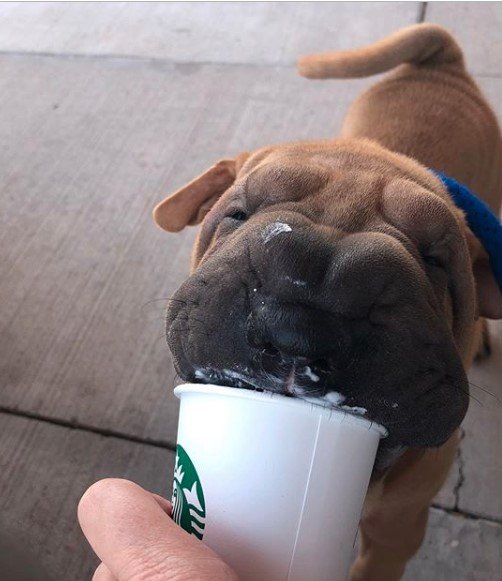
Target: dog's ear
x: 192, y: 202
x: 487, y: 288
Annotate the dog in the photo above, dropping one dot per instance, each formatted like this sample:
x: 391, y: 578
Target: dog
x: 344, y: 267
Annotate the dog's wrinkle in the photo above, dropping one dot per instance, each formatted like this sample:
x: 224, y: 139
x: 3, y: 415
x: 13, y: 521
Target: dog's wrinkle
x: 255, y: 281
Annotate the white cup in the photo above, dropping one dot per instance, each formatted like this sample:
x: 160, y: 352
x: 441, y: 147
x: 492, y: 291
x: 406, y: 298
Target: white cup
x: 274, y: 485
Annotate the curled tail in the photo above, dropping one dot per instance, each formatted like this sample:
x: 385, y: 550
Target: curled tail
x: 421, y: 44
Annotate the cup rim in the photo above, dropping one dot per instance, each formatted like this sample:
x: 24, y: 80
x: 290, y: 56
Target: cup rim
x: 276, y: 398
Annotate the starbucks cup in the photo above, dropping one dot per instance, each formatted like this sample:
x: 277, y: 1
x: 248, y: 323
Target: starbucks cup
x: 274, y: 485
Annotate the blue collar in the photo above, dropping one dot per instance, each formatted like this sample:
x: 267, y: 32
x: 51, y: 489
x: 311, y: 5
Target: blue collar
x: 484, y: 224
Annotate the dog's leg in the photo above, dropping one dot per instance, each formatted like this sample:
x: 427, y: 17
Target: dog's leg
x: 396, y: 510
x: 484, y: 348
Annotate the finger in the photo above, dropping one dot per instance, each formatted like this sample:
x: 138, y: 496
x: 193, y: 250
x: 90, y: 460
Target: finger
x: 102, y: 573
x: 131, y: 534
x: 165, y: 505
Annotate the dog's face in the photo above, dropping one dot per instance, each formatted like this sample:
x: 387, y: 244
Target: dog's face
x: 334, y: 271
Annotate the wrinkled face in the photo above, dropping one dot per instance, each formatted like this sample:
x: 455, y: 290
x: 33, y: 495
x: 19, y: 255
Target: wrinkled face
x: 321, y: 278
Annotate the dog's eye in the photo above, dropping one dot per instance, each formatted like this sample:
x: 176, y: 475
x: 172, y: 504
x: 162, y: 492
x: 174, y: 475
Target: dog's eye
x: 238, y: 216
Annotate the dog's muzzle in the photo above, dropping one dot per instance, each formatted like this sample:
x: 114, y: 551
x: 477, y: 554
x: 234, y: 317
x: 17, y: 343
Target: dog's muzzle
x: 348, y: 320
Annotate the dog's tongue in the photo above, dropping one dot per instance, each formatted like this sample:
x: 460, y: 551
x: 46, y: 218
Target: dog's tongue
x: 290, y: 380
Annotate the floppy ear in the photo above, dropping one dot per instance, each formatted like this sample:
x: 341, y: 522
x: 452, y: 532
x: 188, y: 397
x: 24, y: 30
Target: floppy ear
x: 192, y: 202
x: 487, y: 288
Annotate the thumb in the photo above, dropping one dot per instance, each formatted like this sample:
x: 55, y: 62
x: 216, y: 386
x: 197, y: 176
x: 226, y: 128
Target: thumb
x: 133, y: 536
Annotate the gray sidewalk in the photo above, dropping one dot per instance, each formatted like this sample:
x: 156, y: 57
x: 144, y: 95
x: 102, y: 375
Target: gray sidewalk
x: 104, y: 109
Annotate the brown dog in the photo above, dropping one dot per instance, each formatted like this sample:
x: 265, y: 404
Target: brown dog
x: 344, y: 267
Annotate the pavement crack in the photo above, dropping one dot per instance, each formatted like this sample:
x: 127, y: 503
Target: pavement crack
x: 76, y: 425
x: 422, y: 10
x: 134, y: 60
x: 465, y: 514
x: 461, y: 474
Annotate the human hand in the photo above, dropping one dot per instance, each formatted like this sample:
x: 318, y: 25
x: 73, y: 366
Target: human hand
x: 131, y: 531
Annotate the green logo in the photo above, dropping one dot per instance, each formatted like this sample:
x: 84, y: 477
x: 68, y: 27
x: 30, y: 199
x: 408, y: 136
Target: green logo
x: 189, y: 507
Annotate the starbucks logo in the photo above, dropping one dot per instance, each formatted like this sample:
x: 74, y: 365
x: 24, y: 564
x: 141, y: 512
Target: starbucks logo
x: 189, y: 508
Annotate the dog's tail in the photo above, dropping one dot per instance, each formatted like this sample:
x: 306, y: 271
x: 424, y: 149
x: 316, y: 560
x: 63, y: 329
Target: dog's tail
x: 421, y: 44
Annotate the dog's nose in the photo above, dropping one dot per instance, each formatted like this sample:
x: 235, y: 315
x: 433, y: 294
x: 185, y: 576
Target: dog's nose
x: 290, y: 329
